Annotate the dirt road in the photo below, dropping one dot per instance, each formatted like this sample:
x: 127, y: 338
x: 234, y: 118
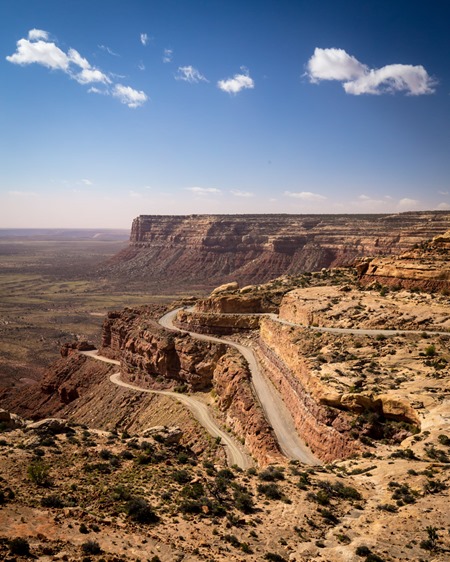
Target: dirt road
x: 201, y: 412
x: 275, y: 409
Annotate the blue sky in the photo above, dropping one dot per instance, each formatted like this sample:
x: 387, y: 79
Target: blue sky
x: 114, y: 108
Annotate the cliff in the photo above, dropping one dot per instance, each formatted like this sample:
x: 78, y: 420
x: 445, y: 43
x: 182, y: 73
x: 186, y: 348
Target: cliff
x: 206, y: 250
x: 425, y: 267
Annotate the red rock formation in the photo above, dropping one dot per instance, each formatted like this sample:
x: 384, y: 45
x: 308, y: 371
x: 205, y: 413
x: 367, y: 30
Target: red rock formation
x: 426, y: 267
x: 206, y: 250
x: 152, y: 356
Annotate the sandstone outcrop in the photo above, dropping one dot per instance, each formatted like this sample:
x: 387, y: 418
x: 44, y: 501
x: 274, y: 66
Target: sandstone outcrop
x: 426, y: 267
x: 207, y: 250
x: 219, y: 324
x: 154, y: 357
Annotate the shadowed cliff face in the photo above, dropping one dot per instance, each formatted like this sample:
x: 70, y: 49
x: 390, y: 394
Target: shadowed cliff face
x: 205, y: 250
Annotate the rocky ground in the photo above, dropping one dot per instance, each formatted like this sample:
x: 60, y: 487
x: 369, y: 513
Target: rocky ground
x: 78, y: 494
x: 105, y: 486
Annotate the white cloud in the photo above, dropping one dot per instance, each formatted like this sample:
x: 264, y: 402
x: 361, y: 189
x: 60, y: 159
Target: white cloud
x: 144, y: 39
x: 86, y: 181
x: 141, y: 66
x: 77, y: 59
x: 35, y: 34
x: 414, y: 80
x: 88, y: 75
x: 108, y: 50
x: 189, y: 74
x: 167, y: 55
x: 305, y: 195
x: 203, y: 190
x: 129, y: 96
x: 443, y: 206
x: 364, y: 197
x: 37, y: 49
x: 40, y: 52
x: 237, y: 83
x: 134, y: 194
x: 238, y: 193
x: 333, y: 64
x: 407, y: 203
x: 94, y: 90
x: 358, y: 78
x: 443, y: 192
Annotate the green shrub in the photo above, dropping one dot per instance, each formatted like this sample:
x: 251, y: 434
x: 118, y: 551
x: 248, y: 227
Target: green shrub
x: 38, y: 473
x: 273, y: 557
x: 91, y: 547
x: 243, y: 501
x: 271, y: 474
x: 271, y: 491
x: 140, y: 511
x: 19, y: 546
x: 52, y: 501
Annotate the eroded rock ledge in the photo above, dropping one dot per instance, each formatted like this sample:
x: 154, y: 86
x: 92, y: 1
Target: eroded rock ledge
x: 154, y: 357
x: 206, y: 250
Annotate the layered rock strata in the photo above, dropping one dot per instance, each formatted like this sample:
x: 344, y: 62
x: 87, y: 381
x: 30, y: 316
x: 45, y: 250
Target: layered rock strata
x: 154, y: 357
x: 326, y: 431
x: 426, y: 267
x: 206, y: 250
x: 219, y: 324
x: 322, y: 414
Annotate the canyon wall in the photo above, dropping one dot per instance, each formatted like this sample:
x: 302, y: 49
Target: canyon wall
x: 425, y: 267
x: 152, y: 357
x: 205, y: 250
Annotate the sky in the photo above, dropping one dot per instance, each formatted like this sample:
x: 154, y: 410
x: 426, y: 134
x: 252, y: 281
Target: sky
x: 114, y: 108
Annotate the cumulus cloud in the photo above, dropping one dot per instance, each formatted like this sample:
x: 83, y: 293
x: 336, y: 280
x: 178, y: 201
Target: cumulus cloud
x: 40, y: 50
x: 407, y: 203
x: 443, y: 206
x: 167, y: 55
x: 129, y: 96
x: 189, y: 74
x: 239, y: 193
x: 358, y: 78
x: 305, y: 195
x: 35, y: 34
x: 237, y: 83
x: 203, y: 190
x: 414, y: 80
x: 334, y: 64
x: 144, y: 39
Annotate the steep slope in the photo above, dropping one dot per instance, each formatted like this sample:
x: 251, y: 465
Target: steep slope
x: 205, y: 250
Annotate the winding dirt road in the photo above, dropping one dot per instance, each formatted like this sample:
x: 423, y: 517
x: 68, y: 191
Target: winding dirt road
x: 201, y: 412
x: 274, y: 408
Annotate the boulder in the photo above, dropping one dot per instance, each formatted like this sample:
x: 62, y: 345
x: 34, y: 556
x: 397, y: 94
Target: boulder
x: 233, y: 286
x: 164, y: 434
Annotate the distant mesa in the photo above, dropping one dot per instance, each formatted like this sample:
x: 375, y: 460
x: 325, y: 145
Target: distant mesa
x: 204, y: 251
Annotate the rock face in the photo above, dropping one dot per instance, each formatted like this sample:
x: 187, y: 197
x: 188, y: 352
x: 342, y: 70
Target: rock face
x: 426, y: 267
x: 152, y: 356
x: 326, y: 430
x: 207, y: 250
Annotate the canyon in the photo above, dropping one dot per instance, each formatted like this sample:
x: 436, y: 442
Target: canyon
x: 359, y: 359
